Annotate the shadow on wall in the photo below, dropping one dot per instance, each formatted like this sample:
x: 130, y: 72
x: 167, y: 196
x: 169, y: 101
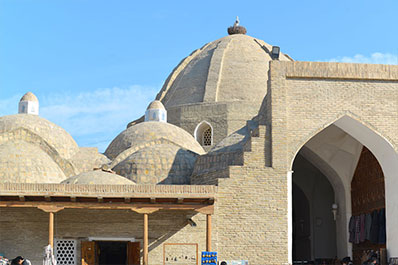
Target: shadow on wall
x: 181, y: 169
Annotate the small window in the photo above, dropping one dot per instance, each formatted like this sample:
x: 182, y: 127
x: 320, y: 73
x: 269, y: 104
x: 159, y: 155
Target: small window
x: 206, y: 137
x: 154, y: 116
x: 65, y: 251
x: 23, y: 109
x: 204, y: 134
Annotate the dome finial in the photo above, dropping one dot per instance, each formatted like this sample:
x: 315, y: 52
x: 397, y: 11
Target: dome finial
x: 236, y: 29
x: 156, y: 112
x: 29, y: 104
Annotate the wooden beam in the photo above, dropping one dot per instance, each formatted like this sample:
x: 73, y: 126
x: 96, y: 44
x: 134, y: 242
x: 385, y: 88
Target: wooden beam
x: 145, y: 239
x: 57, y: 206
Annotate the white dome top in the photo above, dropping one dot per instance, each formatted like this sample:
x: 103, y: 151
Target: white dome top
x: 233, y: 68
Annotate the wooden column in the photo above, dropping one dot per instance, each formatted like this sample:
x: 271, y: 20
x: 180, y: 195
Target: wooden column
x: 145, y: 239
x: 208, y: 232
x: 51, y: 210
x: 51, y: 230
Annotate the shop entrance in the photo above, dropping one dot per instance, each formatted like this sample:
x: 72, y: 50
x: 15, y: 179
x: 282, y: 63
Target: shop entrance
x: 110, y: 253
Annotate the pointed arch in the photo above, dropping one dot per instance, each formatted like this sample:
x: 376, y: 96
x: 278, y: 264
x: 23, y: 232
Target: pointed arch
x: 385, y: 152
x: 204, y: 133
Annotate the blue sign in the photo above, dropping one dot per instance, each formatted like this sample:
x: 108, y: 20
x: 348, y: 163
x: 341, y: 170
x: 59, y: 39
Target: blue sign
x: 209, y: 258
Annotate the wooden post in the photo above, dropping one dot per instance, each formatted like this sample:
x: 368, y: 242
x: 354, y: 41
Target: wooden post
x: 145, y: 239
x: 51, y: 230
x: 208, y: 232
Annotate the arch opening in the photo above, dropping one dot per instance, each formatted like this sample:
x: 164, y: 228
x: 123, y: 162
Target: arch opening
x: 336, y: 152
x: 204, y: 134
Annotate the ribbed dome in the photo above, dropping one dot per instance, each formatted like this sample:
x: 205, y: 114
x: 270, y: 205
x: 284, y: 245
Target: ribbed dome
x: 29, y: 97
x: 21, y: 162
x: 233, y: 68
x: 164, y: 163
x: 143, y: 133
x: 98, y: 177
x: 54, y: 135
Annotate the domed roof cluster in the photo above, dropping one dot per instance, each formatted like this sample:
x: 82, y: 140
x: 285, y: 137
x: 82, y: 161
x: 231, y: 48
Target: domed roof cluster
x: 154, y: 153
x: 233, y: 68
x: 35, y: 150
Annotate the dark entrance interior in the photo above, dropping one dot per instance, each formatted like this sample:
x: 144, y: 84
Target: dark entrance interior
x: 112, y: 253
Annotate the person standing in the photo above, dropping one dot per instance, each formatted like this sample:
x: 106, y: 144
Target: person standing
x: 20, y: 261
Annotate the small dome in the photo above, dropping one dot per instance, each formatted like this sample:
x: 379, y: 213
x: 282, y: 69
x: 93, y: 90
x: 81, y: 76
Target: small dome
x: 144, y: 133
x: 52, y: 134
x: 98, y: 177
x: 164, y: 163
x: 22, y: 162
x: 233, y: 68
x: 156, y: 104
x: 29, y: 97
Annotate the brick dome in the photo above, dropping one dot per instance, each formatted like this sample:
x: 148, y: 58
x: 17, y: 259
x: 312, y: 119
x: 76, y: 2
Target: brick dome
x: 233, y: 68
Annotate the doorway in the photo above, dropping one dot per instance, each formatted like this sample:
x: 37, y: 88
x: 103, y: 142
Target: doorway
x: 110, y: 253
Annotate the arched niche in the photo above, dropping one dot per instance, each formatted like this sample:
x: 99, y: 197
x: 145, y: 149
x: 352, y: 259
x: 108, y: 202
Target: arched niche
x: 204, y: 133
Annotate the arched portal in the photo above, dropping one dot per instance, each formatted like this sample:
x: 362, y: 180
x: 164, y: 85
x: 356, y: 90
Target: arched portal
x: 339, y: 146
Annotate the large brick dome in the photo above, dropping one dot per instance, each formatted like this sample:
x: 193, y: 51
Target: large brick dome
x: 233, y: 68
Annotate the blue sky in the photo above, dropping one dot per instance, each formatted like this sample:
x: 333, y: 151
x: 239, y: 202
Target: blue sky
x: 95, y: 64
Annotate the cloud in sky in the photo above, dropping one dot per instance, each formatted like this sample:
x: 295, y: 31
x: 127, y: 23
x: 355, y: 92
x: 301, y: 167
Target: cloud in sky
x: 92, y: 118
x: 374, y: 58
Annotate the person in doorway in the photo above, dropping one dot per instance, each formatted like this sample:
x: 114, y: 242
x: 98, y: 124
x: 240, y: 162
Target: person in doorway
x: 346, y: 261
x: 20, y: 261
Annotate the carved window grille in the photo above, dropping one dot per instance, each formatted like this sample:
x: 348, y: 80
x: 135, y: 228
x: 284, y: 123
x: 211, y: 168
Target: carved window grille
x: 65, y: 251
x: 207, y: 137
